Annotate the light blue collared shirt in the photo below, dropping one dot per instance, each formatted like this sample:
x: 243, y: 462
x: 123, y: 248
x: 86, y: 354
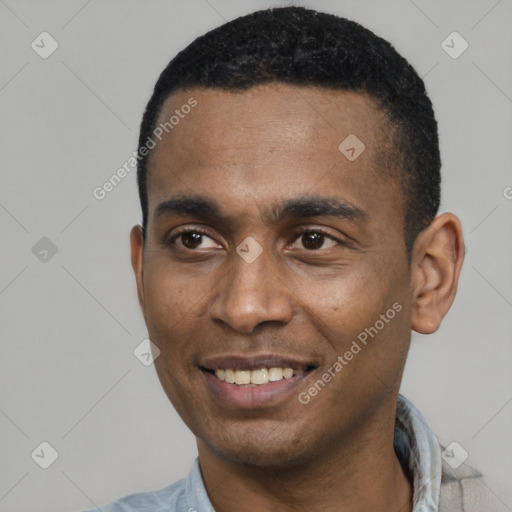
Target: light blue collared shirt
x: 414, y: 442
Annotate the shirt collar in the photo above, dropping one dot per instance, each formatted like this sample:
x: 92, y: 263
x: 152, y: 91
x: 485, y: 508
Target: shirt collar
x: 415, y: 444
x: 196, y: 495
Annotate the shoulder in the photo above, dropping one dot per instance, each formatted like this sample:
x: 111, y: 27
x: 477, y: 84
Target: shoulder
x: 463, y: 490
x: 172, y: 497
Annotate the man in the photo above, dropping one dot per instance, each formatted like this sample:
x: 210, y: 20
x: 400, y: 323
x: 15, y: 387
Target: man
x: 289, y: 182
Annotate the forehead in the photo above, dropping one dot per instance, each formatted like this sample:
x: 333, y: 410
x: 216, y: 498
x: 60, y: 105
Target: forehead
x: 298, y: 139
x: 306, y: 119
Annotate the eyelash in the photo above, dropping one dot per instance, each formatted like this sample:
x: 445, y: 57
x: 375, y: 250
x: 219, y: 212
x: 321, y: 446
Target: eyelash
x: 201, y: 231
x: 300, y: 233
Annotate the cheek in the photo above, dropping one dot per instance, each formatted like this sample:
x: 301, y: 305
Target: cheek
x: 172, y: 301
x: 346, y: 301
x: 360, y: 305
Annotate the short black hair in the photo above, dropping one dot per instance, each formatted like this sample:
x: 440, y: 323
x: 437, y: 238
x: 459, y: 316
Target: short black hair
x: 299, y: 46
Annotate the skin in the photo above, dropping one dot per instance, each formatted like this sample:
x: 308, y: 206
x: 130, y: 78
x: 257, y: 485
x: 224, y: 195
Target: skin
x: 248, y: 151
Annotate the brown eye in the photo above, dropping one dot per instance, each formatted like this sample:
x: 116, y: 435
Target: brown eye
x: 312, y: 240
x: 191, y: 240
x: 315, y: 240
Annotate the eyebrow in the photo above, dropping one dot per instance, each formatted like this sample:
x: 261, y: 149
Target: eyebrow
x: 315, y: 206
x: 299, y: 207
x: 189, y: 205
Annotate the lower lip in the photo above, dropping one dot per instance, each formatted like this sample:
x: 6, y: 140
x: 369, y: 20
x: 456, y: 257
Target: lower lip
x: 252, y: 397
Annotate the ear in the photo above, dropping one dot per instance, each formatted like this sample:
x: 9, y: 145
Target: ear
x: 137, y: 258
x: 436, y: 262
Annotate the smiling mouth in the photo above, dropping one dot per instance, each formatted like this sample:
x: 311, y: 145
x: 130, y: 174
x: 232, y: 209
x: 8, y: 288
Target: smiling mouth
x: 256, y: 377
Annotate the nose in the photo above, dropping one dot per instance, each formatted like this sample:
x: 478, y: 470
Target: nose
x: 251, y: 294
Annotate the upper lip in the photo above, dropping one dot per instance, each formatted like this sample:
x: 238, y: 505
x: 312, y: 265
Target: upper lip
x: 256, y: 361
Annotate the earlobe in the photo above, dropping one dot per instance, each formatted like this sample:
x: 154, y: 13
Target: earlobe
x: 137, y: 260
x: 437, y: 259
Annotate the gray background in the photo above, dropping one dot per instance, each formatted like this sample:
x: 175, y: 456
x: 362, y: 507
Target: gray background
x: 69, y: 324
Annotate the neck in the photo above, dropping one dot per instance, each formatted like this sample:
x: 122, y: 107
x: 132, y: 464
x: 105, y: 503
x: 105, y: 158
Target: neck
x: 361, y: 473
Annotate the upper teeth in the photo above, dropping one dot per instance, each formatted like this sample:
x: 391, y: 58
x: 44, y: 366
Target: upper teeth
x: 256, y: 377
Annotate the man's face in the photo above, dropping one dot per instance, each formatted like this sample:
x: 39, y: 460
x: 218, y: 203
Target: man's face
x: 323, y: 277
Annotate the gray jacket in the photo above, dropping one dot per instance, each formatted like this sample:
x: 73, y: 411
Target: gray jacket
x: 463, y: 490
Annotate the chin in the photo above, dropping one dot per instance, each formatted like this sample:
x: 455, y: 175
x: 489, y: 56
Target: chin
x: 262, y: 450
x: 256, y: 457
